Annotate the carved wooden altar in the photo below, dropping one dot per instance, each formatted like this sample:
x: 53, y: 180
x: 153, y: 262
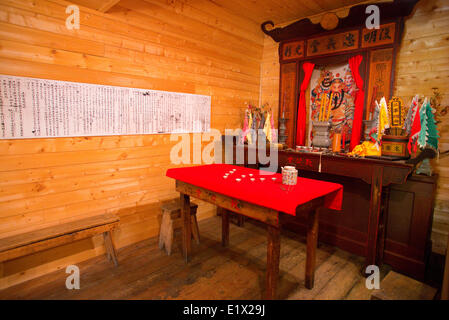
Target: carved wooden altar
x: 304, y: 41
x: 387, y: 211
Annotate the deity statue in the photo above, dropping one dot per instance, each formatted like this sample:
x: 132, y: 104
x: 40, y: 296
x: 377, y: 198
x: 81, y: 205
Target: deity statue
x: 342, y: 108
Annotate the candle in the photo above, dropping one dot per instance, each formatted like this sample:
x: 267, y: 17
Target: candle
x: 326, y: 102
x: 329, y: 107
x: 321, y: 109
x: 336, y: 142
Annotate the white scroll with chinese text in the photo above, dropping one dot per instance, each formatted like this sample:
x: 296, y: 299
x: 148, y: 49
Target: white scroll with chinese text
x: 40, y: 108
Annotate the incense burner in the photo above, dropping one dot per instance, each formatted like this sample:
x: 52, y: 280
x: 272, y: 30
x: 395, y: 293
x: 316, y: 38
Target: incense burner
x: 282, y: 130
x: 321, y: 134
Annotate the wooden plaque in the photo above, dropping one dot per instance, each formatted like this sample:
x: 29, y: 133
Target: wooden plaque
x: 288, y: 98
x: 333, y: 43
x: 379, y: 83
x: 292, y: 50
x: 376, y: 37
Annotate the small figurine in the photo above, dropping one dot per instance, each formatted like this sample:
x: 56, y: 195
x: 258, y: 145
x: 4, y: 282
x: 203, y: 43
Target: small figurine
x: 372, y: 148
x: 258, y: 124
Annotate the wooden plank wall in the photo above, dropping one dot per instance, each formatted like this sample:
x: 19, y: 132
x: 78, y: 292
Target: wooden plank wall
x: 270, y: 73
x: 159, y: 45
x: 423, y: 63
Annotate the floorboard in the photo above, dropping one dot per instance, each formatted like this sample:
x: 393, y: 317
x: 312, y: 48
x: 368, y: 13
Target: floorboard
x: 236, y: 272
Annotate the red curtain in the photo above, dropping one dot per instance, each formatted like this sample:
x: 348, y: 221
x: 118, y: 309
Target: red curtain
x: 354, y: 64
x: 301, y: 120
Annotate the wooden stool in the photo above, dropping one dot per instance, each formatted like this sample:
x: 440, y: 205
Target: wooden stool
x: 171, y: 220
x: 396, y: 286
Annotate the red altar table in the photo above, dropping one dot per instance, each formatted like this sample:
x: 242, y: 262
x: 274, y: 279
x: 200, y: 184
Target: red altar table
x: 263, y: 199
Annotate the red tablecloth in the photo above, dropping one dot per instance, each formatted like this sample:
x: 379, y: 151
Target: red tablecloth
x: 267, y: 193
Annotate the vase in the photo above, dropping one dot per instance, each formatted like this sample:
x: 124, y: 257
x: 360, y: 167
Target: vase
x: 282, y: 130
x: 368, y: 125
x: 321, y: 134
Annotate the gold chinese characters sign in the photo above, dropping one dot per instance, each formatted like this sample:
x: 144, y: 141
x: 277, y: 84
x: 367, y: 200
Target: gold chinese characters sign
x: 339, y: 42
x: 394, y: 148
x: 396, y: 113
x: 292, y: 50
x: 333, y: 43
x: 376, y: 37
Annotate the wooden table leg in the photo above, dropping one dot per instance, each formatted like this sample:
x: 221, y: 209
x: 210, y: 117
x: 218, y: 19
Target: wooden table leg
x: 240, y: 220
x: 224, y: 227
x: 382, y: 228
x: 312, y: 240
x: 273, y: 253
x: 374, y: 215
x: 187, y: 226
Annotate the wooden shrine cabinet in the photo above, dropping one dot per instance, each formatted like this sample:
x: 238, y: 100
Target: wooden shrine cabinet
x: 407, y: 244
x: 404, y: 226
x: 304, y: 41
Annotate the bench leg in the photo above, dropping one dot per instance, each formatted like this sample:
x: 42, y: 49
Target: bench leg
x: 162, y: 230
x: 166, y: 233
x: 110, y: 249
x: 195, y: 229
x: 169, y: 237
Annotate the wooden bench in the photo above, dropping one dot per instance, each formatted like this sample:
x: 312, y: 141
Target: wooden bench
x: 171, y: 220
x: 38, y: 240
x: 396, y: 286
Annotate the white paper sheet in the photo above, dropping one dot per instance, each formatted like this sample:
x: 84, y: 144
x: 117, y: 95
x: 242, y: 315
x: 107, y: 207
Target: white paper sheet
x: 39, y: 108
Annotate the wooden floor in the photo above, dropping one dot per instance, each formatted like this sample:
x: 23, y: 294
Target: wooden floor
x: 236, y: 272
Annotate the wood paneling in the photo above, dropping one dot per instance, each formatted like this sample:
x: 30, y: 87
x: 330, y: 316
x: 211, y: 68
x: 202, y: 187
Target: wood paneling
x: 281, y: 11
x: 270, y: 76
x: 143, y: 44
x: 422, y: 63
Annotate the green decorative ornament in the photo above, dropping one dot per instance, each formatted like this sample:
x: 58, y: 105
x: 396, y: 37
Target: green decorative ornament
x: 428, y: 136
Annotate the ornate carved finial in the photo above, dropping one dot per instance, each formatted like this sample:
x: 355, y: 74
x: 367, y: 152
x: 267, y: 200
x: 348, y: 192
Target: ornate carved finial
x: 264, y: 27
x: 329, y: 21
